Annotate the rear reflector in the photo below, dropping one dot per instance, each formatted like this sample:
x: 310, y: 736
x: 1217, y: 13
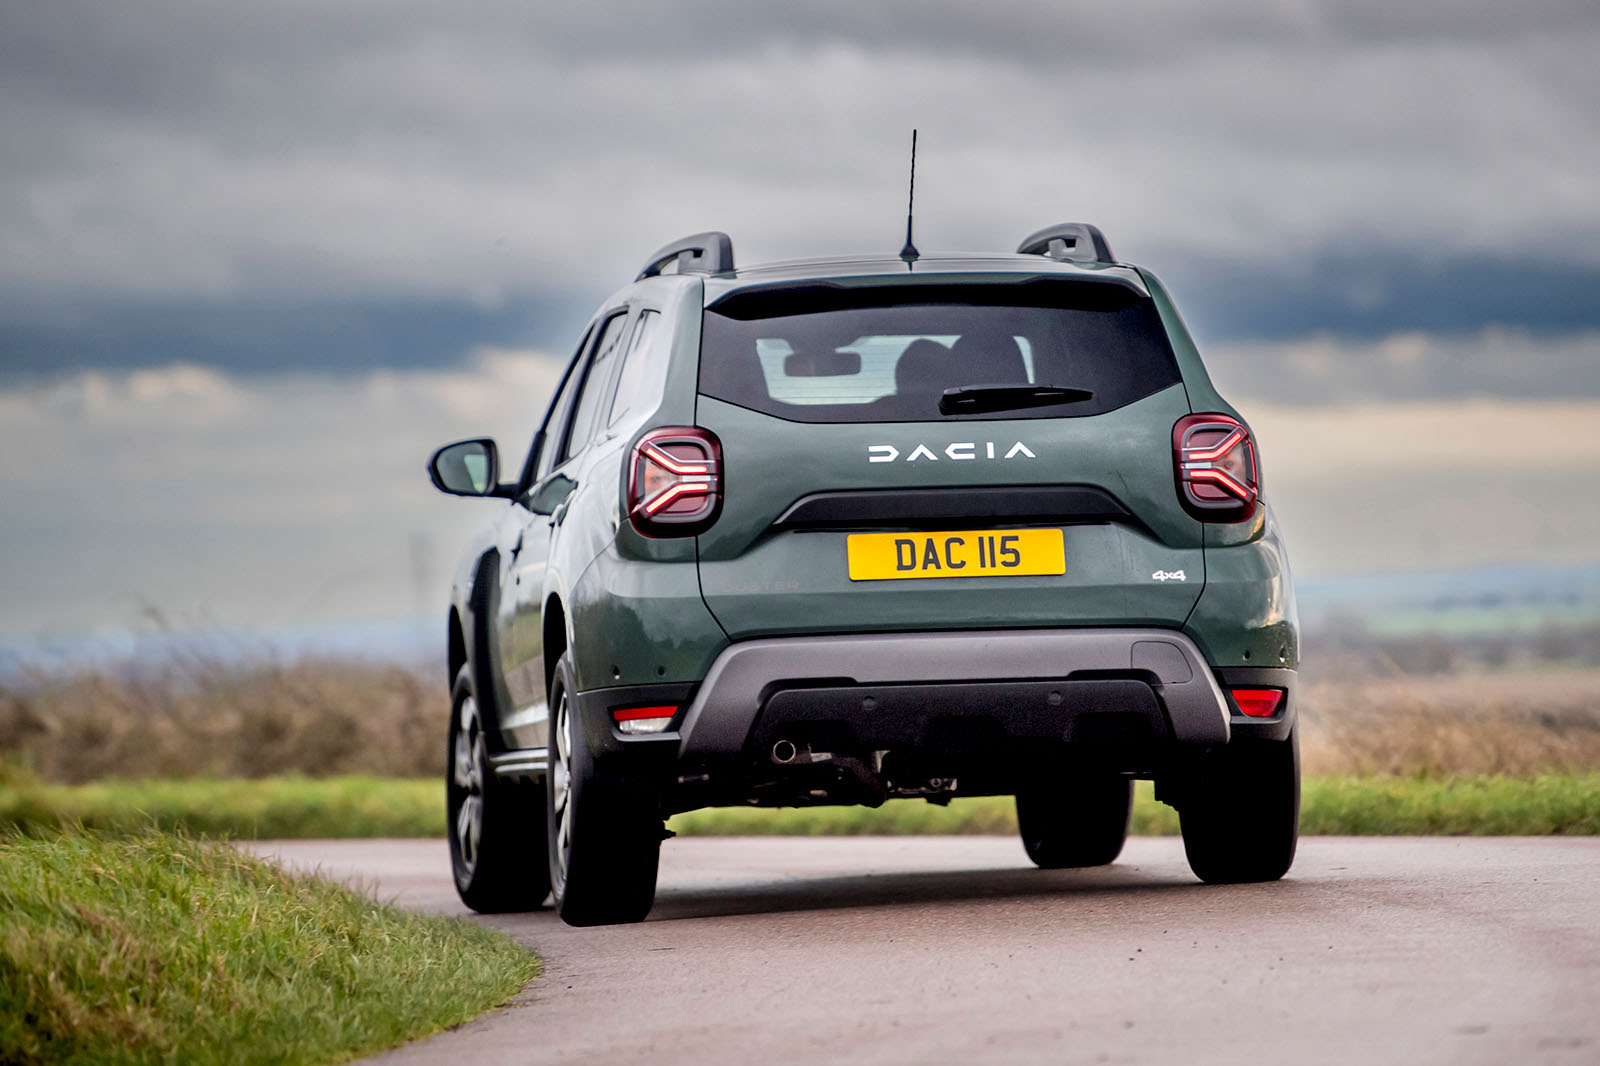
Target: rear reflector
x: 635, y: 720
x: 1258, y: 702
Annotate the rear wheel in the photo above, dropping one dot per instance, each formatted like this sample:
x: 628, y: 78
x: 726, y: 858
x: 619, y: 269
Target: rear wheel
x: 496, y: 826
x: 604, y: 829
x: 1083, y: 822
x: 1241, y: 815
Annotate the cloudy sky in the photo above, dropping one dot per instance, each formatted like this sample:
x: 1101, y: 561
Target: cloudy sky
x: 256, y: 259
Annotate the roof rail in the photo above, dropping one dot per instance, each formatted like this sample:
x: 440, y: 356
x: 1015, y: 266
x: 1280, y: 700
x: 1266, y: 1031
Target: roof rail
x: 1075, y: 241
x: 704, y: 253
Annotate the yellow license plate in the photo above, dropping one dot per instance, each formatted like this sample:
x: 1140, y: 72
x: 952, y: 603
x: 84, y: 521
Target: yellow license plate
x: 982, y: 553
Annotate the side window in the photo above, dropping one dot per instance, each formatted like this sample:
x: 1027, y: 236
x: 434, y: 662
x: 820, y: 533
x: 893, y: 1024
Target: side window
x: 594, y: 385
x: 555, y: 415
x: 644, y: 370
x: 561, y: 410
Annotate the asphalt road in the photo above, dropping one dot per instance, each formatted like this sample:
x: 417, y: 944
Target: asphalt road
x: 954, y: 950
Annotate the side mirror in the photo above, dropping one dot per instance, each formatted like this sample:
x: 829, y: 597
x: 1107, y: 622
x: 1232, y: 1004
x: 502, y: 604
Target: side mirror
x: 466, y: 468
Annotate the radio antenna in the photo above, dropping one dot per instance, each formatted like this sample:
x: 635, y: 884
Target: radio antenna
x: 909, y: 252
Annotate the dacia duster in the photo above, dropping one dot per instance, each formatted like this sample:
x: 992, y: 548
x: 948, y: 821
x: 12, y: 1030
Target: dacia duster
x: 841, y: 531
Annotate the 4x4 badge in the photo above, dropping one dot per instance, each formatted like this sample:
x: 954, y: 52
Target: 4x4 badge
x: 1168, y: 575
x: 888, y: 453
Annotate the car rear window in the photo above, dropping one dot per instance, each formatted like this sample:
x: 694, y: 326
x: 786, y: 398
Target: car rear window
x: 819, y: 353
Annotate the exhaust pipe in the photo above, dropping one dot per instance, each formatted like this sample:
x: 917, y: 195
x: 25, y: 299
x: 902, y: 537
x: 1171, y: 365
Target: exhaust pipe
x: 784, y: 752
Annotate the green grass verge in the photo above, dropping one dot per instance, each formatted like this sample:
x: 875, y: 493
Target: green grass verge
x: 257, y: 809
x: 1388, y: 806
x: 368, y: 807
x: 152, y: 948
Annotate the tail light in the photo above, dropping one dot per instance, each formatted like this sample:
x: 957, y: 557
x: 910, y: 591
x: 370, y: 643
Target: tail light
x: 1219, y: 477
x: 1257, y: 702
x: 675, y: 482
x: 637, y: 720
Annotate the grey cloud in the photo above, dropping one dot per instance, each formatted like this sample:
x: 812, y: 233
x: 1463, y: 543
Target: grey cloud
x: 1409, y: 367
x: 487, y: 153
x: 128, y: 40
x: 1242, y: 316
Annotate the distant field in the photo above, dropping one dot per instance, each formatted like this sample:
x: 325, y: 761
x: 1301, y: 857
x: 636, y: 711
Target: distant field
x: 331, y: 749
x: 1521, y: 723
x: 197, y: 718
x: 372, y: 807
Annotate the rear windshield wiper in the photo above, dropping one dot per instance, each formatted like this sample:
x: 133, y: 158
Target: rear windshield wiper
x: 976, y: 399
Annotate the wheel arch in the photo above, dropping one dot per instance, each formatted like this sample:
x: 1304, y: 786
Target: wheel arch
x: 456, y: 647
x: 556, y: 640
x: 478, y: 636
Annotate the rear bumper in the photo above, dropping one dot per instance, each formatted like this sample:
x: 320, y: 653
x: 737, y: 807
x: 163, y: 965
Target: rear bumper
x: 902, y: 687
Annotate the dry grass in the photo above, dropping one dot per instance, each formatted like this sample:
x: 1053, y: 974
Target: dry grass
x: 1518, y: 724
x: 196, y: 717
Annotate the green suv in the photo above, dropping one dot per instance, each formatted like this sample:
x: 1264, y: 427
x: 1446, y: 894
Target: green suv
x: 840, y: 531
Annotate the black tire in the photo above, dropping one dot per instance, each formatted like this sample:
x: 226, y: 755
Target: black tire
x: 1083, y: 822
x: 496, y: 827
x: 604, y: 829
x: 1241, y: 814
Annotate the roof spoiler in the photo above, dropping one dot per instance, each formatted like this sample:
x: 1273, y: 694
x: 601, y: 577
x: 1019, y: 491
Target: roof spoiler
x: 703, y: 253
x: 1077, y: 242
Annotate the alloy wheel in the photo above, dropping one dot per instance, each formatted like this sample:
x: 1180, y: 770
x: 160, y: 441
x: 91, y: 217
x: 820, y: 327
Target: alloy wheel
x: 561, y: 785
x: 467, y: 775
